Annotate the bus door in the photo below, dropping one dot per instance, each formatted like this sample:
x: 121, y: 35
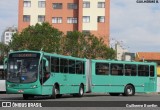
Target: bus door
x: 152, y: 79
x: 76, y: 74
x: 59, y: 70
x: 100, y: 77
x: 64, y: 77
x: 45, y: 75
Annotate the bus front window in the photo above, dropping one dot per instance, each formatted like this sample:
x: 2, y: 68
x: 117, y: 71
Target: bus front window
x: 22, y: 70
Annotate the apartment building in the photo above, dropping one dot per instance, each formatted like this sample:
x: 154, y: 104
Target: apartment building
x: 7, y: 35
x: 88, y: 16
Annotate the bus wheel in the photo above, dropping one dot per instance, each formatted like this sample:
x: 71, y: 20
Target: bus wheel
x: 129, y: 90
x: 59, y: 95
x: 114, y: 94
x: 55, y: 92
x: 25, y: 96
x: 81, y: 91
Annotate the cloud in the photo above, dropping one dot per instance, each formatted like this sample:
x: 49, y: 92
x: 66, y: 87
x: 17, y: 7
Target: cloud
x: 136, y: 24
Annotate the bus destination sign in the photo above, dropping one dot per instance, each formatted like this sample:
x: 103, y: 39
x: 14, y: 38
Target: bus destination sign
x: 19, y: 55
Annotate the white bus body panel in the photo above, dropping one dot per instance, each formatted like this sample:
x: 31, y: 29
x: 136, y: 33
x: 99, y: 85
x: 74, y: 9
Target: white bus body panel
x: 2, y: 85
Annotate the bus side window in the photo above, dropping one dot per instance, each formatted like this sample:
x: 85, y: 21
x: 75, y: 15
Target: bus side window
x: 143, y: 70
x: 114, y: 70
x: 83, y: 67
x: 152, y: 71
x: 133, y: 70
x: 117, y: 69
x: 146, y: 70
x: 64, y: 65
x: 127, y: 70
x: 55, y: 65
x: 79, y: 67
x: 102, y: 69
x: 72, y: 68
x: 130, y: 70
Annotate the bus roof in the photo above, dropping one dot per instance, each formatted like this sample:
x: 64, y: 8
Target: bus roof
x: 93, y: 60
x: 50, y: 54
x: 125, y: 62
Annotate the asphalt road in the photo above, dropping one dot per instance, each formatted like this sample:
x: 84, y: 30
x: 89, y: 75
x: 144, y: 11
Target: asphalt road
x: 86, y: 97
x: 91, y: 101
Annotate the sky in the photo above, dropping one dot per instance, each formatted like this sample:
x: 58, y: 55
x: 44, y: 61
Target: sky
x: 135, y: 25
x: 8, y: 14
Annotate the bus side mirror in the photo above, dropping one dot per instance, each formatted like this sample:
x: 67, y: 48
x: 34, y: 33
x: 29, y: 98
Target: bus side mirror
x: 5, y: 63
x: 46, y: 64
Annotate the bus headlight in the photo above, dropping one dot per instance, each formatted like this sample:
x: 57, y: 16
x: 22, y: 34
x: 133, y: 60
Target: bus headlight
x: 8, y: 85
x: 34, y: 86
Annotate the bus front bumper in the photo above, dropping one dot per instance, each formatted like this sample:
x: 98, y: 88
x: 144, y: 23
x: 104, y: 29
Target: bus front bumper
x: 33, y: 91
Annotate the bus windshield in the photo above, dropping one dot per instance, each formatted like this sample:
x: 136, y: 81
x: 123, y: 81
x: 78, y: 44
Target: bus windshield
x: 22, y: 70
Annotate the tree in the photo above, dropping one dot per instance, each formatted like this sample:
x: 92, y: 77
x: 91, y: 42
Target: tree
x: 41, y: 36
x: 4, y: 49
x: 44, y: 36
x: 89, y: 46
x: 96, y: 49
x: 74, y: 44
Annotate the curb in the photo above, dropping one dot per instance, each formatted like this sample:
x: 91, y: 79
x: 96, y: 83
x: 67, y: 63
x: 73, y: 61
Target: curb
x: 154, y: 93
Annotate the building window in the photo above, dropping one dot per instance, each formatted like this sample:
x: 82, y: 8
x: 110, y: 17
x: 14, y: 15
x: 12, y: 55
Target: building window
x: 57, y: 20
x: 7, y: 38
x: 41, y: 4
x: 101, y: 19
x: 86, y: 4
x: 7, y: 42
x: 7, y: 34
x: 86, y: 19
x: 41, y: 18
x: 101, y: 4
x: 72, y: 5
x: 26, y: 18
x: 71, y: 20
x: 27, y: 3
x: 57, y: 5
x: 86, y: 32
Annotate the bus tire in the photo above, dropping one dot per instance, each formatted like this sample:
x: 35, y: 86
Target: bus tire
x: 114, y: 94
x: 54, y: 92
x: 129, y: 90
x: 81, y: 91
x: 25, y: 96
x: 59, y: 95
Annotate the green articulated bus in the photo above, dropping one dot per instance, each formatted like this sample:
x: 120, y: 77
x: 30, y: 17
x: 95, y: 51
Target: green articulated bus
x: 122, y: 77
x: 37, y: 73
x: 34, y: 73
